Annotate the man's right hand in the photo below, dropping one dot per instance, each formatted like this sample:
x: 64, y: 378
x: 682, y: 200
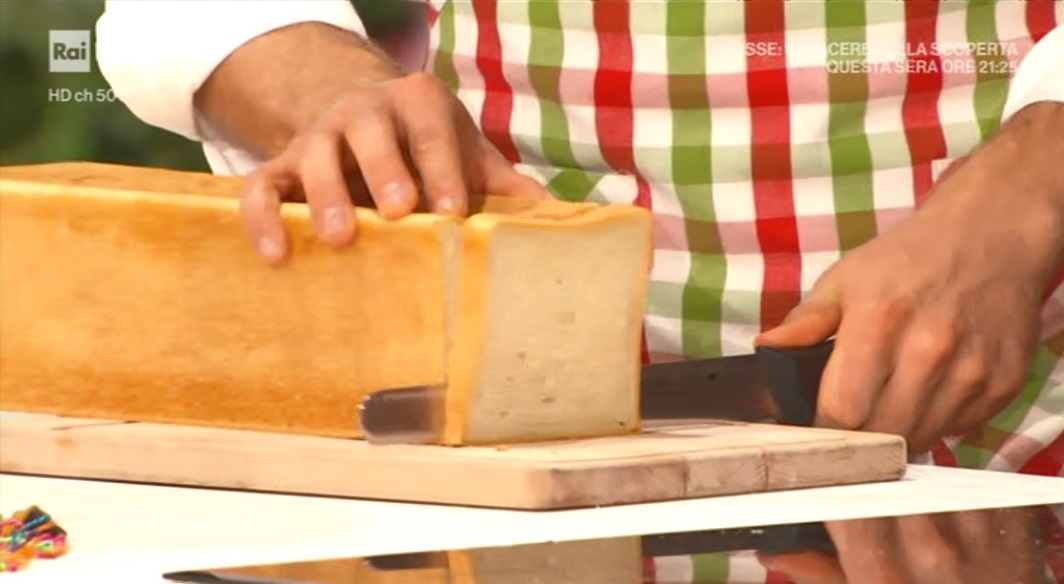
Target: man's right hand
x: 397, y: 142
x: 993, y: 546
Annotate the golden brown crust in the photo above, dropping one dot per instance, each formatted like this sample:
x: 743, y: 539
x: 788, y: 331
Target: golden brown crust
x: 117, y: 177
x: 133, y: 293
x: 154, y: 307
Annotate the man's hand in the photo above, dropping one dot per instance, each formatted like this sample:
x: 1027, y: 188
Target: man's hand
x: 340, y: 125
x: 936, y: 321
x: 391, y: 140
x: 974, y: 547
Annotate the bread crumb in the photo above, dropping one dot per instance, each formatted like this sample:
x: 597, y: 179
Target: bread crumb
x: 502, y: 447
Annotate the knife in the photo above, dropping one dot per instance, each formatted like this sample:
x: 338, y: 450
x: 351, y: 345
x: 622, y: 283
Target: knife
x: 769, y: 386
x: 772, y: 539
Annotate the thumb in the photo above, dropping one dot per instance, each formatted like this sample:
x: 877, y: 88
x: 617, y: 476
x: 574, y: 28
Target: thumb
x: 812, y: 321
x: 501, y: 178
x: 514, y: 184
x: 505, y: 180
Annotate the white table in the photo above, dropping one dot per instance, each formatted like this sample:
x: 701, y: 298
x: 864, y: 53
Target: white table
x: 131, y: 534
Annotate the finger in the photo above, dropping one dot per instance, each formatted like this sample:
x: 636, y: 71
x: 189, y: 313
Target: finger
x: 326, y: 189
x: 860, y: 365
x: 432, y: 140
x: 999, y: 545
x: 923, y: 352
x: 963, y: 380
x: 868, y: 550
x: 1004, y: 382
x: 805, y: 567
x: 811, y: 322
x: 260, y: 211
x: 501, y: 178
x: 981, y: 530
x: 375, y: 144
x: 929, y: 552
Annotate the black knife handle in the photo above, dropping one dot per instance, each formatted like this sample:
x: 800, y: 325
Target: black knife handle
x: 774, y: 539
x: 413, y: 561
x: 793, y: 379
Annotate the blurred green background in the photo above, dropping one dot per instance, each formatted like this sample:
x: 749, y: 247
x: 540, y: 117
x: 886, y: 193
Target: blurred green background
x: 32, y: 129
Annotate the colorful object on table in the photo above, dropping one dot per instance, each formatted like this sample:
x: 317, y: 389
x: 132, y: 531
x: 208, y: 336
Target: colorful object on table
x: 27, y: 535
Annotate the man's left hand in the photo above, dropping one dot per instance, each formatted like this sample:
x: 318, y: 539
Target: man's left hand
x: 994, y: 546
x: 936, y: 321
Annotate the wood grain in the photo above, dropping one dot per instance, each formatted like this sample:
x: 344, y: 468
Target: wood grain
x: 665, y: 463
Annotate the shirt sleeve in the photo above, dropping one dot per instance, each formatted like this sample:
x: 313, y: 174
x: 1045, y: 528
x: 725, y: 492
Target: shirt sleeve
x: 1040, y: 76
x: 155, y: 55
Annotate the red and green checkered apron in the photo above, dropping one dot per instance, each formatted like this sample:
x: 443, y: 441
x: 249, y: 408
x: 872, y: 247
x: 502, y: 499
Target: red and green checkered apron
x: 768, y: 138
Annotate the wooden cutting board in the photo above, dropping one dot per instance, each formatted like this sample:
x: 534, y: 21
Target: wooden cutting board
x: 668, y: 462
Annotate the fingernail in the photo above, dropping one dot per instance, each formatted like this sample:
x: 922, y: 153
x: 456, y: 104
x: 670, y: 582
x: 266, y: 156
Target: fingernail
x: 395, y: 195
x: 270, y: 249
x: 447, y: 205
x: 334, y: 220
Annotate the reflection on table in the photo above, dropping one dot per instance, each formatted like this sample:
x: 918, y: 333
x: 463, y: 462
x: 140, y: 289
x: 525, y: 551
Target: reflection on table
x: 1021, y: 545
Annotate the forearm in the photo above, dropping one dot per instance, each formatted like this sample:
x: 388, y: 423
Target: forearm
x: 273, y: 86
x: 1027, y: 156
x: 156, y: 55
x: 1009, y: 194
x: 1023, y: 160
x: 1034, y: 139
x: 1032, y: 133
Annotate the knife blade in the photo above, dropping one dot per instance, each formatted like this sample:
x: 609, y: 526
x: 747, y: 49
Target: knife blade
x: 771, y: 539
x: 770, y: 385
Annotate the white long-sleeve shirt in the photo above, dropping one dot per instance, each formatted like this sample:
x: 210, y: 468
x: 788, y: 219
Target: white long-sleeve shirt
x: 156, y: 55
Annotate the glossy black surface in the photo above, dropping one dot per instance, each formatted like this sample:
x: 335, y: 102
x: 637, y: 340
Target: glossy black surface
x: 998, y: 546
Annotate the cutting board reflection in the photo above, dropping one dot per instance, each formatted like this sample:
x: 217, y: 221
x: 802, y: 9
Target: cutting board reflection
x: 678, y: 461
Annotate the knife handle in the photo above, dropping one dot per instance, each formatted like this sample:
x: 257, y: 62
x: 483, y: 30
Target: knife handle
x: 412, y: 561
x: 773, y: 539
x: 793, y: 379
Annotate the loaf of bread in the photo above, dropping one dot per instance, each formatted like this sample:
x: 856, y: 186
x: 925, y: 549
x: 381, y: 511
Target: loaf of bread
x: 346, y: 571
x: 616, y: 560
x: 134, y: 294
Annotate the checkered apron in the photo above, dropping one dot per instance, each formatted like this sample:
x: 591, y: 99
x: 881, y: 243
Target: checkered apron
x: 767, y: 138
